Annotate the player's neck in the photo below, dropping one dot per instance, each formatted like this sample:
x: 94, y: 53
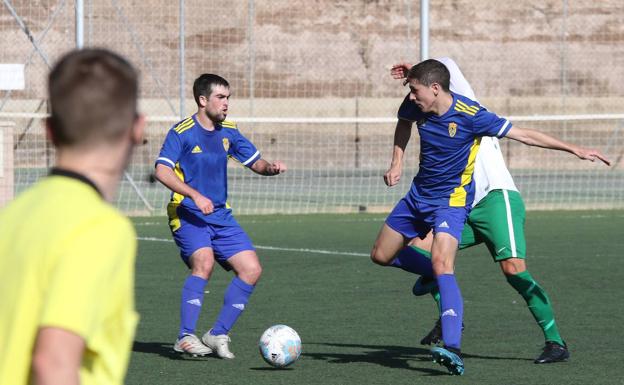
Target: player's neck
x: 443, y: 103
x: 204, y: 121
x: 103, y: 167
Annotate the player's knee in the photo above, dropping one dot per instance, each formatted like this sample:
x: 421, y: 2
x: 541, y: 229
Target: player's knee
x: 442, y: 266
x: 379, y: 257
x: 512, y: 266
x: 256, y: 273
x: 251, y: 274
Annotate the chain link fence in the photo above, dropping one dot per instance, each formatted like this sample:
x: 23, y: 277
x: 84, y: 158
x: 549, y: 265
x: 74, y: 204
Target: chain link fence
x: 311, y: 86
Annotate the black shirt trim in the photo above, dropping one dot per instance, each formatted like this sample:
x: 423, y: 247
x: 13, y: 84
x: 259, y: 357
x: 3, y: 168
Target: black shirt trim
x: 75, y: 175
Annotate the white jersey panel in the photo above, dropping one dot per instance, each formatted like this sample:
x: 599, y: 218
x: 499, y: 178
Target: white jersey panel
x: 490, y: 171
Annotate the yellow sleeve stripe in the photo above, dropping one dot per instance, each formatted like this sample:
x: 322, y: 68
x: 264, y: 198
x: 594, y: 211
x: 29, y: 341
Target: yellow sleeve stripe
x: 466, y: 111
x: 184, y: 125
x: 463, y: 107
x: 228, y: 124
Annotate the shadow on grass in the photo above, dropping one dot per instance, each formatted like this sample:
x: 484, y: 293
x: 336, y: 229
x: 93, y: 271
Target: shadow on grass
x: 164, y: 350
x: 397, y: 357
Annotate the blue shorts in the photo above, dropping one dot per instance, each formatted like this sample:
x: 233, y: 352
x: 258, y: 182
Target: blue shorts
x: 415, y: 219
x: 225, y: 241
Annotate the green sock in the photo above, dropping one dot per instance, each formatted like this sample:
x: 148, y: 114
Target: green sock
x: 538, y: 302
x: 435, y: 293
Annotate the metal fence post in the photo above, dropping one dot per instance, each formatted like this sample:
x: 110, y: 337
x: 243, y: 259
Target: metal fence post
x: 424, y: 29
x: 79, y: 24
x: 182, y: 63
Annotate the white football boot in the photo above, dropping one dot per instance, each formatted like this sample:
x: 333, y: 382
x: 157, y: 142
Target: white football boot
x: 218, y: 344
x: 190, y: 344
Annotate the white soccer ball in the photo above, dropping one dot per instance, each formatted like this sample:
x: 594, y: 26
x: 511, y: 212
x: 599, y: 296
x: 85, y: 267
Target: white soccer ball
x: 280, y: 346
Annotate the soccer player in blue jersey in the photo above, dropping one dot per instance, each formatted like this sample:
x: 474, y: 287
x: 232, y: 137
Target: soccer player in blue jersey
x: 497, y: 220
x: 440, y: 198
x: 193, y: 164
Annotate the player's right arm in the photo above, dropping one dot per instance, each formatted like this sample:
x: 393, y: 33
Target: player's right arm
x: 169, y: 155
x: 57, y: 356
x: 402, y: 134
x: 166, y: 176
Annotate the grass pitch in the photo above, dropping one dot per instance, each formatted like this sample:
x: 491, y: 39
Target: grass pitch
x: 359, y: 322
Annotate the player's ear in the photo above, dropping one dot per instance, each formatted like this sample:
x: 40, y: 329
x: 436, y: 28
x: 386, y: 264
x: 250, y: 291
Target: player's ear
x: 49, y: 122
x: 138, y: 130
x: 435, y: 87
x: 203, y: 100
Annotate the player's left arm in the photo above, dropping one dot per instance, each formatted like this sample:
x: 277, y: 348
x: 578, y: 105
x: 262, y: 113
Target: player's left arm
x: 57, y: 356
x: 245, y: 152
x: 536, y: 138
x: 265, y: 168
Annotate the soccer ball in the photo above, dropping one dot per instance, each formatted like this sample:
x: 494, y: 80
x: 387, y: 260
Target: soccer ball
x: 280, y: 346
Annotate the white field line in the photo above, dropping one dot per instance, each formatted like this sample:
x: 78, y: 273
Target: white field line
x: 312, y: 251
x: 380, y: 219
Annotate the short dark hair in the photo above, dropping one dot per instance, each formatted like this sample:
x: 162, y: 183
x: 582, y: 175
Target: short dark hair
x: 92, y: 96
x: 204, y: 85
x: 431, y: 71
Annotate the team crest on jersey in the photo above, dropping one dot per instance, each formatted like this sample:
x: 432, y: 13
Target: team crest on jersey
x: 226, y: 144
x: 421, y: 123
x: 452, y: 128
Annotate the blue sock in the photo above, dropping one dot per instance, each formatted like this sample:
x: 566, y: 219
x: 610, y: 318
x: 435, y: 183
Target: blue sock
x: 236, y: 297
x: 414, y: 260
x: 452, y: 308
x: 192, y: 299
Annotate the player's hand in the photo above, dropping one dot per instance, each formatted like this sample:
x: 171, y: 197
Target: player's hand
x: 204, y: 204
x: 276, y: 167
x: 592, y: 155
x: 400, y: 70
x: 392, y: 176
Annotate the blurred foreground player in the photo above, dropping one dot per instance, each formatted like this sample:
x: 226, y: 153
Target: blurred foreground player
x: 66, y: 254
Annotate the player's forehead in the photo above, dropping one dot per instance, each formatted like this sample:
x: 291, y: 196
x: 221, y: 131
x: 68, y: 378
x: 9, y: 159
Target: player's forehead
x: 415, y: 85
x: 220, y: 91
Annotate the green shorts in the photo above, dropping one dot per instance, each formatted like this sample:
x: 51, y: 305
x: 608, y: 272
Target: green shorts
x: 498, y: 221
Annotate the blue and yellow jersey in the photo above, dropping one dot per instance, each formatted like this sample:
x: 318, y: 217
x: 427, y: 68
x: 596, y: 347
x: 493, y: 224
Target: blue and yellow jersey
x: 66, y: 261
x: 448, y: 148
x: 199, y: 158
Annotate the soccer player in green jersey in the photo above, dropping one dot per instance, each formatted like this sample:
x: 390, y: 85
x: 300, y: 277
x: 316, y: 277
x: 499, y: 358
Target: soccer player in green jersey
x: 497, y: 219
x: 66, y: 254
